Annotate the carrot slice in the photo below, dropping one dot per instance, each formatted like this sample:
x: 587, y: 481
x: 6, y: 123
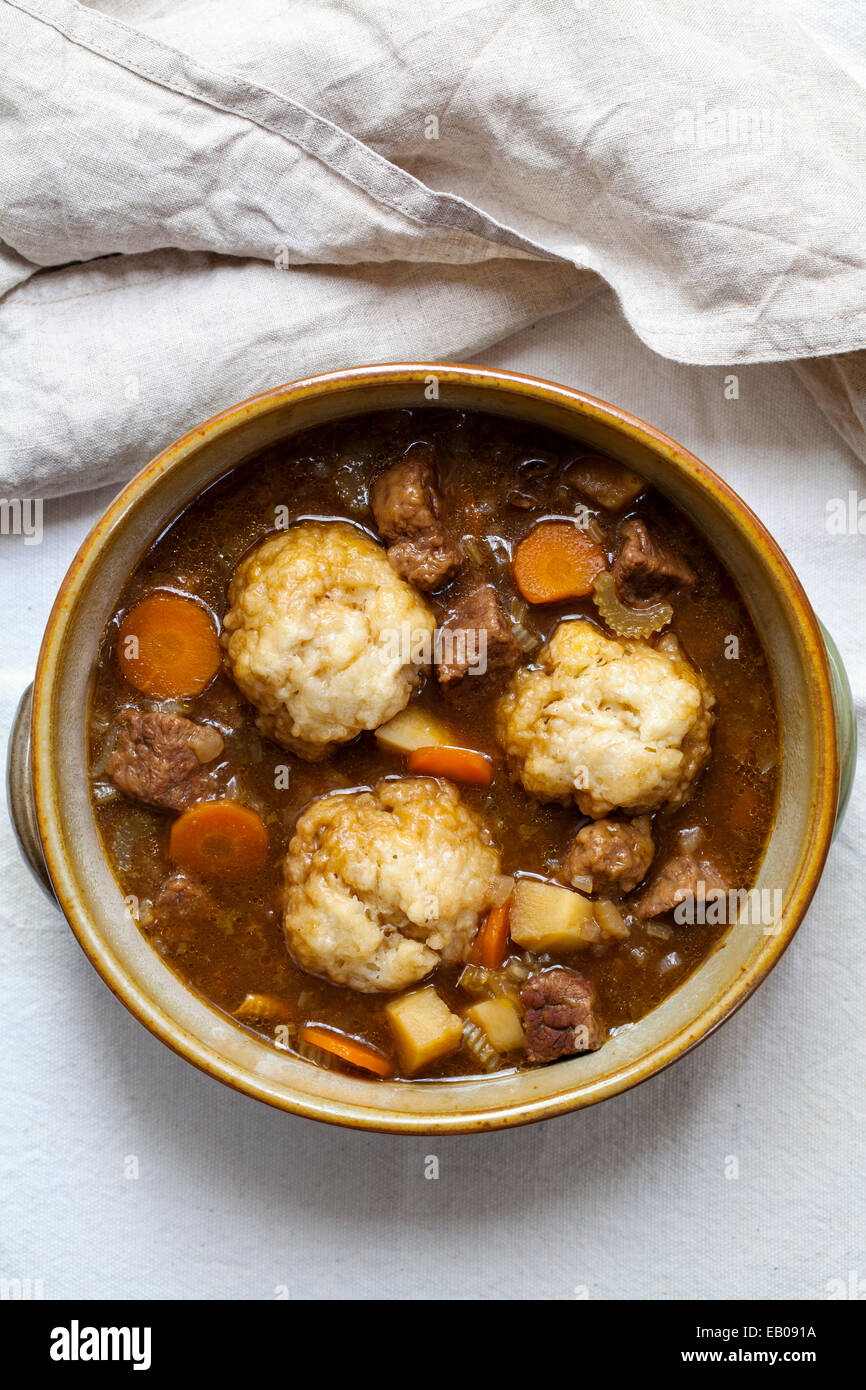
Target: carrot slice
x: 219, y: 840
x: 168, y: 647
x: 458, y: 764
x: 491, y: 944
x: 360, y: 1054
x: 557, y: 560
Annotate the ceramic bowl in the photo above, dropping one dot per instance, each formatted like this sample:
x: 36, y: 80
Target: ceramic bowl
x: 55, y: 822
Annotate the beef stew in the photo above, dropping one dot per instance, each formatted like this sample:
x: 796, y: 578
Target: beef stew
x: 411, y: 736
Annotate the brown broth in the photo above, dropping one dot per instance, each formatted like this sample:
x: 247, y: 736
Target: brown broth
x: 325, y: 473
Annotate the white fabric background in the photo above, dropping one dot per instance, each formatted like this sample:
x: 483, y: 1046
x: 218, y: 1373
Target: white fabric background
x: 708, y: 163
x: 155, y: 155
x: 628, y: 1199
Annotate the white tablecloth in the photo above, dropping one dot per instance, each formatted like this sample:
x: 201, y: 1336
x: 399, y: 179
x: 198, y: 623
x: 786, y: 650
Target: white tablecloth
x: 628, y: 1199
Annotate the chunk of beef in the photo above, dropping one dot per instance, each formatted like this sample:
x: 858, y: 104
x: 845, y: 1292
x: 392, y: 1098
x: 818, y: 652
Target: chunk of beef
x: 559, y: 1016
x: 159, y: 757
x: 679, y: 877
x: 645, y: 568
x: 424, y: 564
x: 181, y: 899
x: 405, y: 498
x: 614, y: 854
x: 476, y: 638
x: 408, y: 511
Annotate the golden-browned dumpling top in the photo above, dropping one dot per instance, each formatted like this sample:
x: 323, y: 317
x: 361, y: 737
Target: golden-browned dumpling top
x: 323, y: 637
x: 381, y: 886
x: 607, y: 723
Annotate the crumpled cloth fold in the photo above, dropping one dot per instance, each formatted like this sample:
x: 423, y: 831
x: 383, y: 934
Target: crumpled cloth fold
x: 197, y: 202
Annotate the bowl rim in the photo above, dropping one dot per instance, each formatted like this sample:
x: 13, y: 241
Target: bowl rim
x: 72, y: 897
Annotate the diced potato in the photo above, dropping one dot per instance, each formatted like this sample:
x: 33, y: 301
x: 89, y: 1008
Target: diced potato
x: 424, y: 1028
x: 606, y: 482
x: 548, y: 917
x: 414, y: 728
x: 609, y: 918
x: 499, y: 1019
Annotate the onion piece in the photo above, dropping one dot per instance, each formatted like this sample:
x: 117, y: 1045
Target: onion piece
x: 610, y: 919
x: 502, y: 889
x: 500, y: 551
x: 691, y: 838
x: 659, y: 930
x: 104, y: 793
x: 669, y: 643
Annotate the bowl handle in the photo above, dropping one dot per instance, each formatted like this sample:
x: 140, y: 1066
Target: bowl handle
x: 19, y: 789
x: 846, y: 724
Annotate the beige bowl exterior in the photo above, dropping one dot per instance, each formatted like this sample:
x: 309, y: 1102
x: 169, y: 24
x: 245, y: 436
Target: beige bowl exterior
x: 92, y: 900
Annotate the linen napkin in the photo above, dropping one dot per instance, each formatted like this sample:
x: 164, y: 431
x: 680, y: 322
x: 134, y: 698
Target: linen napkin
x: 200, y: 201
